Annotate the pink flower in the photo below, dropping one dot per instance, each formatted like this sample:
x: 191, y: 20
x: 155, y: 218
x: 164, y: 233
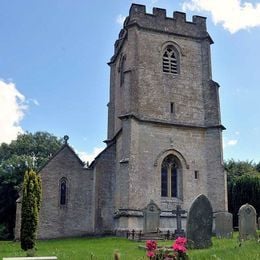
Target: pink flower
x: 181, y: 240
x: 179, y: 248
x: 150, y: 254
x: 180, y: 245
x: 151, y: 245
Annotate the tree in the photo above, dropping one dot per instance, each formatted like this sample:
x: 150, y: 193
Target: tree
x: 246, y: 189
x: 30, y: 209
x: 243, y: 185
x: 236, y: 169
x: 28, y: 151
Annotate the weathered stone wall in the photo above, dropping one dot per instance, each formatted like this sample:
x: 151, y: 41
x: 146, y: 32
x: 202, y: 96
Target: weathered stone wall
x: 104, y: 183
x: 196, y: 152
x: 77, y: 216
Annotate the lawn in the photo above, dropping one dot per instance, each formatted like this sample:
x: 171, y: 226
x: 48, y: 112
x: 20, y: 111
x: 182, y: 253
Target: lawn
x: 103, y: 249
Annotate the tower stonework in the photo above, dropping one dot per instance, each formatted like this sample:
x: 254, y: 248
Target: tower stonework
x: 164, y: 117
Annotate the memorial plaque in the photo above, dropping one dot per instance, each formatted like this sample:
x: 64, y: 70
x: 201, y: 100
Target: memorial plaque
x: 151, y: 217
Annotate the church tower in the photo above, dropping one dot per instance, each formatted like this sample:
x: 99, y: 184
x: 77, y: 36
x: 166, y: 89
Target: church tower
x: 164, y: 117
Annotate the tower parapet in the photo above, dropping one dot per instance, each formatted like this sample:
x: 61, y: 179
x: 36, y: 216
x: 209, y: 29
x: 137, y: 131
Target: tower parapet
x: 159, y: 22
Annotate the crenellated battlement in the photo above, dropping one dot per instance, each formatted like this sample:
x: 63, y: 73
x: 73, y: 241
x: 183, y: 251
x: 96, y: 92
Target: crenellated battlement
x: 159, y: 21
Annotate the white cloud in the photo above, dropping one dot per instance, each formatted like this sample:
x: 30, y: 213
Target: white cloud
x: 120, y: 19
x: 12, y: 107
x: 89, y: 157
x: 234, y: 15
x: 35, y: 101
x: 231, y: 142
x: 228, y: 143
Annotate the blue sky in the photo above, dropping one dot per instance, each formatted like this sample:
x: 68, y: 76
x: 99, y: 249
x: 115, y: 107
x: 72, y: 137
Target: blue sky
x: 54, y: 76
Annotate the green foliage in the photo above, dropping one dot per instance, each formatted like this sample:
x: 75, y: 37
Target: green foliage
x: 246, y: 189
x: 30, y: 209
x: 243, y: 185
x: 236, y: 169
x: 28, y: 151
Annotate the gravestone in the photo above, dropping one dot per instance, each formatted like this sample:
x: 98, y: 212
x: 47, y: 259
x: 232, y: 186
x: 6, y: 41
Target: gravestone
x: 247, y: 222
x: 199, y: 223
x: 259, y: 223
x: 224, y: 225
x: 151, y: 217
x: 179, y: 232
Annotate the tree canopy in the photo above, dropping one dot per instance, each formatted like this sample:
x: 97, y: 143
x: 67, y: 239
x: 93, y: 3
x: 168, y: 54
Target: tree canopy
x: 29, y: 151
x: 243, y: 179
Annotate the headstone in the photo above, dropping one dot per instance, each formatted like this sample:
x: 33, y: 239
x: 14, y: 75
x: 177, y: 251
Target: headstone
x: 259, y: 223
x: 179, y: 232
x: 247, y: 222
x: 199, y: 223
x: 151, y: 217
x: 224, y: 225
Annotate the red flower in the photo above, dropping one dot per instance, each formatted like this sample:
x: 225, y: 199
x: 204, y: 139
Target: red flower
x: 150, y: 254
x: 151, y: 245
x: 181, y: 240
x: 180, y: 245
x: 179, y: 248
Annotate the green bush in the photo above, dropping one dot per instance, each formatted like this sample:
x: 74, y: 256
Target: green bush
x: 245, y: 189
x: 30, y: 209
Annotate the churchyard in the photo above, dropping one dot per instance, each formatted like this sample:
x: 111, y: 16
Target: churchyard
x: 225, y: 244
x: 103, y: 249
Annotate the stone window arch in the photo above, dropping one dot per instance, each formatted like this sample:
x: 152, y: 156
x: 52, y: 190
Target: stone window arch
x: 121, y: 69
x: 63, y: 191
x: 171, y: 177
x: 170, y: 60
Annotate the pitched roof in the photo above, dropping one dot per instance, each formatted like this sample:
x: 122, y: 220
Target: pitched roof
x: 65, y: 145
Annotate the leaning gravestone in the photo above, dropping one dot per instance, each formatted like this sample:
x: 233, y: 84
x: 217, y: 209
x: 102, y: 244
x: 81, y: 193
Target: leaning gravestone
x: 199, y: 223
x: 247, y: 222
x: 224, y: 225
x: 151, y: 217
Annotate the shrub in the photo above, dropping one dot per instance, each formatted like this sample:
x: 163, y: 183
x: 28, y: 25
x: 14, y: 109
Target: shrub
x: 30, y: 209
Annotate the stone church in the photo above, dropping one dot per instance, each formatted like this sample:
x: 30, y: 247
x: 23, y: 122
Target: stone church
x: 164, y: 138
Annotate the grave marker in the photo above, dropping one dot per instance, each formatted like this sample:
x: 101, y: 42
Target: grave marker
x: 224, y: 225
x: 151, y: 217
x: 199, y: 223
x: 247, y: 222
x: 178, y: 212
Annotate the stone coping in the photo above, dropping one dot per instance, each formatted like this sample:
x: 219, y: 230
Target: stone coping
x: 32, y: 258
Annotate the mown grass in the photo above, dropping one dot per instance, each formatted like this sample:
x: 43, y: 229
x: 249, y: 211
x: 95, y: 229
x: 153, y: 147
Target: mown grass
x: 104, y: 248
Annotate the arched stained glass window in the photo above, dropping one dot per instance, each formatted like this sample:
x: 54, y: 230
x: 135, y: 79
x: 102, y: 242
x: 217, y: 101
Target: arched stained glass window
x: 169, y: 177
x: 170, y: 60
x: 63, y: 191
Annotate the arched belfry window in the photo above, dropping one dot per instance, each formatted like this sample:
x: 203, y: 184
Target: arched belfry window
x: 121, y: 69
x: 170, y: 177
x: 63, y: 191
x: 170, y: 60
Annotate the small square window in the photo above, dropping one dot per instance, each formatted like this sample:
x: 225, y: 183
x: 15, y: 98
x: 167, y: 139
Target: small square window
x: 196, y: 175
